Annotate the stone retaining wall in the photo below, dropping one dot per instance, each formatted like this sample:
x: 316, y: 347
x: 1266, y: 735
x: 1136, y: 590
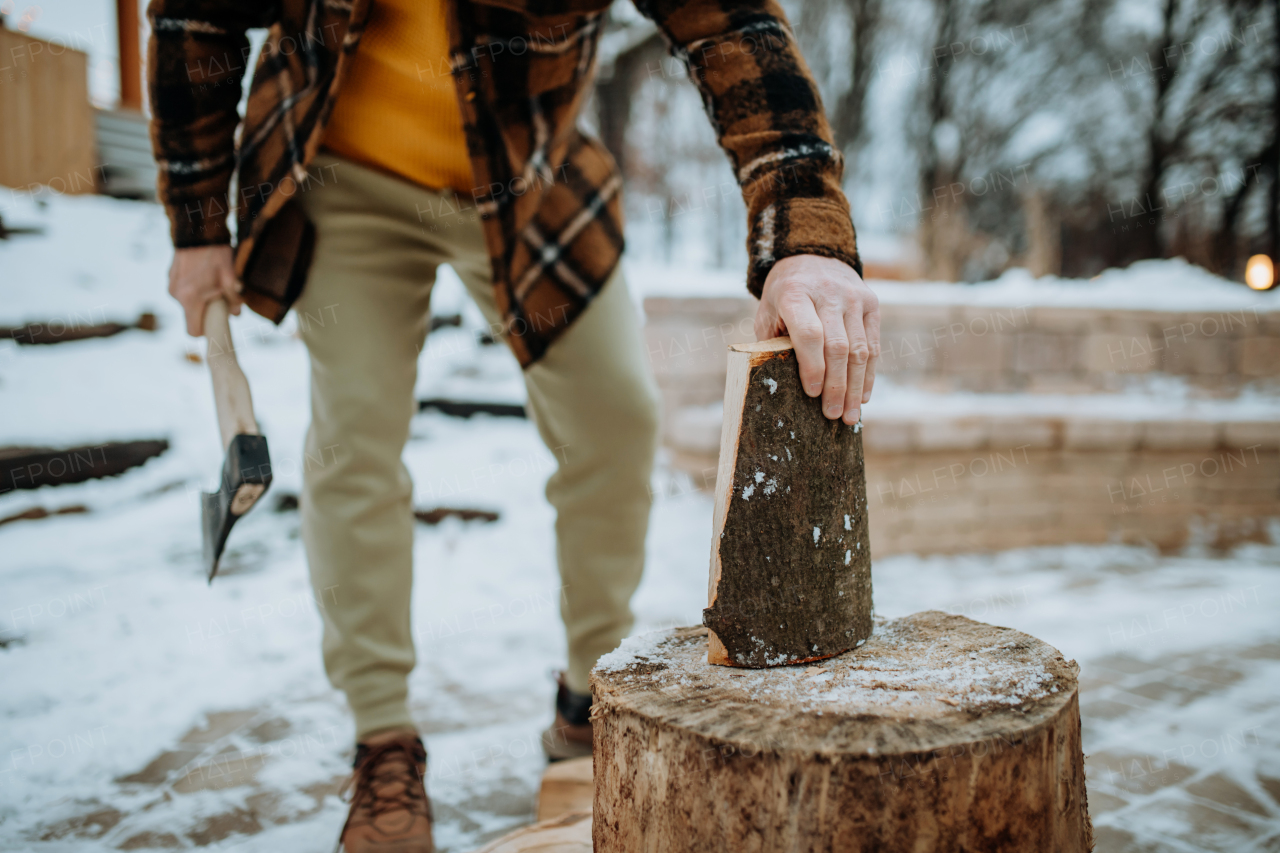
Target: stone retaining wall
x: 992, y: 349
x: 950, y: 485
x: 1037, y: 349
x: 984, y: 484
x: 1136, y: 470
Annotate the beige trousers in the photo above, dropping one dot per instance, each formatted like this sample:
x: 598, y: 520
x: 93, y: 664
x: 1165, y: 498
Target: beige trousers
x: 591, y: 396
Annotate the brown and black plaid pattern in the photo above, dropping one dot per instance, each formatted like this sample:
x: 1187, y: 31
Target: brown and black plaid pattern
x: 549, y: 194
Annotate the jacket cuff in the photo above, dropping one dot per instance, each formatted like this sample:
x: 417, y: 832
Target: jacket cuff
x: 799, y: 226
x: 198, y: 221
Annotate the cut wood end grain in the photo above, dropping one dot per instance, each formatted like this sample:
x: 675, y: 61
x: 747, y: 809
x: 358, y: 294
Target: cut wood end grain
x: 937, y: 733
x: 918, y: 683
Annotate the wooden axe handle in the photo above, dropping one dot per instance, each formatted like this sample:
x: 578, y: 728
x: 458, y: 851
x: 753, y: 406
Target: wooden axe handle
x: 230, y: 388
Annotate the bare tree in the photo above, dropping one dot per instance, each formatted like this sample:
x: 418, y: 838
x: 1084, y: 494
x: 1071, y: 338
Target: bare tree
x: 1206, y: 115
x: 1168, y: 131
x: 840, y: 40
x: 1062, y: 136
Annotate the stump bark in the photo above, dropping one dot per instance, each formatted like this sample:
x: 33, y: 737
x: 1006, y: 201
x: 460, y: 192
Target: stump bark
x: 938, y: 734
x: 790, y: 574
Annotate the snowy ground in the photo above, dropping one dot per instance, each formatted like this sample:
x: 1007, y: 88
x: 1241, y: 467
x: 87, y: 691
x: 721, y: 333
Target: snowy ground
x: 142, y: 708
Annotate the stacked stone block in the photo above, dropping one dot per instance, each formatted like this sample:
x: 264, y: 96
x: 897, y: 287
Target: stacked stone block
x: 1079, y: 430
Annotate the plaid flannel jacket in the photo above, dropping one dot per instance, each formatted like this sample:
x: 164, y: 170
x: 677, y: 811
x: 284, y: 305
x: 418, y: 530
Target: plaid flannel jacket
x: 548, y: 194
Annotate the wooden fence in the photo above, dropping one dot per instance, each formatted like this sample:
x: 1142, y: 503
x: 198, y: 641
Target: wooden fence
x: 46, y: 122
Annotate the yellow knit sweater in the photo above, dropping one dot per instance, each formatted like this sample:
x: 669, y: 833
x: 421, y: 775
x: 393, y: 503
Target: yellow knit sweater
x: 398, y: 109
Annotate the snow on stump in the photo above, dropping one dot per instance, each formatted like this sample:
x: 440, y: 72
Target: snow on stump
x: 939, y: 733
x: 790, y: 574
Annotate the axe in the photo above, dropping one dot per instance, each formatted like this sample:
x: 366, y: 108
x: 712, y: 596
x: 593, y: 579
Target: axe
x: 246, y: 471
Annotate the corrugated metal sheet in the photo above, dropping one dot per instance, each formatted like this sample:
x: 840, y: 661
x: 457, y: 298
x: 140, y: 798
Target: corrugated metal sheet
x: 124, y: 154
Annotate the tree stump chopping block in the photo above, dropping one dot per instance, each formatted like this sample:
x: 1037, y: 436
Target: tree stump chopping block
x: 937, y: 734
x: 790, y: 574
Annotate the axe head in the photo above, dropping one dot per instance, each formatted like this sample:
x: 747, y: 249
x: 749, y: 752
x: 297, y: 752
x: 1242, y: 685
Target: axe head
x: 246, y: 474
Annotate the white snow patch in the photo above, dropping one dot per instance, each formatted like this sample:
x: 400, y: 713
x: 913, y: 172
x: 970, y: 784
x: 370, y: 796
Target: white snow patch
x: 642, y: 648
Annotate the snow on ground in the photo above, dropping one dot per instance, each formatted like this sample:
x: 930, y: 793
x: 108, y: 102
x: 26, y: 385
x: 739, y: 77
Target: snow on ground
x: 144, y: 708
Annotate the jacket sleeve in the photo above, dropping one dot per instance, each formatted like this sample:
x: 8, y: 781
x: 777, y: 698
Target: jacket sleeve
x: 768, y: 116
x: 196, y: 59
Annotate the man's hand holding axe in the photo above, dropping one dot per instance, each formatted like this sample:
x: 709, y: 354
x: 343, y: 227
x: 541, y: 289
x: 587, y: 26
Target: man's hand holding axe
x: 203, y: 280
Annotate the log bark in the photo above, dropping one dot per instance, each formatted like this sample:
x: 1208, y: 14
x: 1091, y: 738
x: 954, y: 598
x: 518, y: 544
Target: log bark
x: 790, y: 574
x: 939, y: 734
x: 34, y: 467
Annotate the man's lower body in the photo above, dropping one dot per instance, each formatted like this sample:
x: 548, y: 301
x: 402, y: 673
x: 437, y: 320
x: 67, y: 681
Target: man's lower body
x: 364, y: 315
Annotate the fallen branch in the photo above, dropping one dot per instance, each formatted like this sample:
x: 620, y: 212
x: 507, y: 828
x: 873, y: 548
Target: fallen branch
x: 443, y: 320
x: 465, y: 409
x: 33, y: 467
x: 7, y: 231
x: 58, y: 332
x: 289, y: 502
x: 38, y: 512
x: 439, y: 514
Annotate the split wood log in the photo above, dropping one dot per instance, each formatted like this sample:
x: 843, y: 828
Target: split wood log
x: 566, y: 787
x: 570, y: 833
x: 564, y: 814
x: 939, y: 734
x: 790, y: 559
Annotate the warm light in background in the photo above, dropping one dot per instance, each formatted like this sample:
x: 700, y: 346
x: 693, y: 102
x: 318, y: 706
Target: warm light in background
x: 29, y: 15
x: 1259, y: 273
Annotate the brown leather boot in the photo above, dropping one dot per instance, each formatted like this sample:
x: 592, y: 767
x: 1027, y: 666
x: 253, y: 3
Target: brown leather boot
x: 390, y: 812
x: 570, y: 734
